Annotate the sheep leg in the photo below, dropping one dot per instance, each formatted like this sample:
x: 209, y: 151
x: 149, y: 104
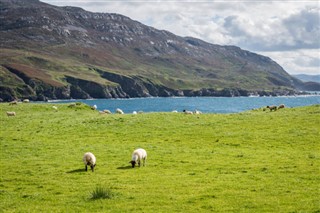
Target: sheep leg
x: 139, y: 163
x: 92, y: 168
x: 86, y: 168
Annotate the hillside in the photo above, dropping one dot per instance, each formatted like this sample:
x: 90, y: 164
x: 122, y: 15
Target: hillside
x: 50, y: 52
x: 308, y: 78
x: 311, y: 82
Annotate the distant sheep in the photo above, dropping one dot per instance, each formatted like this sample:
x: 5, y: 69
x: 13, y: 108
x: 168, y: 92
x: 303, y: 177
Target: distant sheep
x: 134, y: 112
x: 89, y: 160
x: 55, y: 107
x: 187, y: 112
x: 197, y: 112
x: 11, y: 113
x: 272, y: 108
x: 94, y: 107
x: 138, y: 155
x: 174, y: 111
x: 107, y: 111
x: 119, y: 111
x: 13, y: 103
x: 281, y: 106
x: 26, y: 101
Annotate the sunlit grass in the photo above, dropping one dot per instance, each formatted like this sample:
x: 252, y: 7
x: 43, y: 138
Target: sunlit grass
x: 101, y: 192
x: 257, y: 161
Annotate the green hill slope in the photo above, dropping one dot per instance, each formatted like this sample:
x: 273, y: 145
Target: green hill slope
x: 50, y: 52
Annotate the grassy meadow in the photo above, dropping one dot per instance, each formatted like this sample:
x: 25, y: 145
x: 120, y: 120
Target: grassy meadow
x: 255, y: 161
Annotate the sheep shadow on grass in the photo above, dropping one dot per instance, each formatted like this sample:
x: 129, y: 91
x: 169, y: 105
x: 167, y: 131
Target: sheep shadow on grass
x: 76, y: 171
x: 124, y: 167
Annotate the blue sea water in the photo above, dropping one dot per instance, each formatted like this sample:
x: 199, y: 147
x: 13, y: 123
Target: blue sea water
x: 204, y: 104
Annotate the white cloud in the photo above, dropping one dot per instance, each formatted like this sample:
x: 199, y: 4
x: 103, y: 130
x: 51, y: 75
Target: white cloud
x: 287, y: 31
x: 306, y: 61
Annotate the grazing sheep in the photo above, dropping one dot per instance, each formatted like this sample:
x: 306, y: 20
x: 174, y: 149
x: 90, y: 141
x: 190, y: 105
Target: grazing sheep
x: 89, y: 160
x: 281, y: 106
x: 13, y: 103
x: 107, y: 111
x: 94, y: 107
x: 134, y: 112
x: 174, y: 111
x: 26, y: 101
x: 187, y: 112
x: 197, y: 112
x: 11, y: 113
x: 137, y: 156
x: 272, y: 108
x: 54, y: 107
x: 119, y: 111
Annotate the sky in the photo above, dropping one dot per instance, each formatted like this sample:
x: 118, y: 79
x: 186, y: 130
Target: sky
x: 288, y: 31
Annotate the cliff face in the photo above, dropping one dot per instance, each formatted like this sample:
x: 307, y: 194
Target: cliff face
x: 50, y: 52
x: 127, y: 87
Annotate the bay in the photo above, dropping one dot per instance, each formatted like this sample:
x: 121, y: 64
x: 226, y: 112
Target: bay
x: 204, y: 104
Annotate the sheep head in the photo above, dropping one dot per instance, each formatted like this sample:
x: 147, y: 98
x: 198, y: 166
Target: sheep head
x: 133, y: 163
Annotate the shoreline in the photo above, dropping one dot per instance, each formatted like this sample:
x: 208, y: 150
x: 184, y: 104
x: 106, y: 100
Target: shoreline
x: 181, y: 97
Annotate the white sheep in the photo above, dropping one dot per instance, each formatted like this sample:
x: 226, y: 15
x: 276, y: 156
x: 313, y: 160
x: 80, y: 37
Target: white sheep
x: 134, y: 112
x: 55, y: 107
x: 107, y: 111
x: 94, y: 107
x: 13, y: 103
x: 197, y: 112
x: 175, y: 111
x: 119, y: 111
x: 187, y: 112
x: 11, y: 113
x: 89, y: 160
x: 138, y: 155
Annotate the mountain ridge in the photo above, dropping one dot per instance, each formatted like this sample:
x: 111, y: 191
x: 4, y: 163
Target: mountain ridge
x: 53, y: 52
x: 308, y: 78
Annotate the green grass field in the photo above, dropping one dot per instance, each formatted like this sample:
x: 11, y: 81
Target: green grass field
x: 256, y: 161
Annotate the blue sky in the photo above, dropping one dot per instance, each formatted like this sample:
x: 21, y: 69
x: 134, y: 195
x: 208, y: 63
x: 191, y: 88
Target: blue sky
x: 287, y: 31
